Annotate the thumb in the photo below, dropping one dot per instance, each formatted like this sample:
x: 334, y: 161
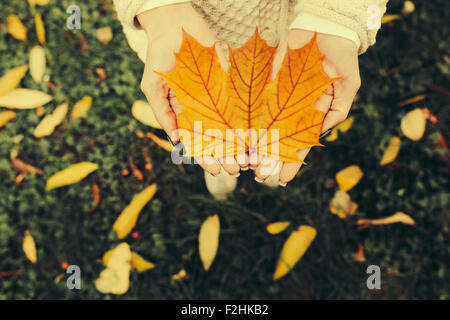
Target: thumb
x: 340, y: 106
x: 157, y: 93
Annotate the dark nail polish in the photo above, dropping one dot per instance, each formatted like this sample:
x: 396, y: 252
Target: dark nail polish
x: 325, y: 134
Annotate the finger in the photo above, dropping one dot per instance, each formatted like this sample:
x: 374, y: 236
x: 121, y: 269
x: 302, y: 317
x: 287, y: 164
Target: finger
x: 209, y: 164
x: 265, y: 169
x: 290, y: 169
x: 344, y: 94
x: 230, y: 165
x: 243, y: 161
x: 254, y: 160
x: 156, y: 91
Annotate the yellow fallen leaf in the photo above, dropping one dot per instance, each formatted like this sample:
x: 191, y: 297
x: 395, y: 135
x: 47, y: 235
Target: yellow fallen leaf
x: 115, y: 278
x: 397, y: 217
x: 42, y: 2
x: 343, y: 127
x: 40, y: 29
x: 139, y: 263
x: 143, y: 112
x: 412, y: 100
x: 293, y: 250
x: 166, y: 145
x: 391, y: 151
x: 413, y: 124
x: 29, y: 247
x: 51, y: 121
x: 180, y: 275
x: 12, y: 78
x: 81, y: 108
x: 389, y: 17
x: 342, y: 205
x: 128, y: 218
x: 347, y: 178
x: 408, y: 7
x: 208, y: 240
x: 22, y: 98
x: 333, y: 135
x: 5, y: 117
x: 277, y: 227
x: 16, y: 28
x: 32, y: 3
x: 37, y: 63
x: 71, y: 175
x: 104, y: 35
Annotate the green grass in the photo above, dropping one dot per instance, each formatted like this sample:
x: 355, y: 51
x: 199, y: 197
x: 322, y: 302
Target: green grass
x: 414, y: 260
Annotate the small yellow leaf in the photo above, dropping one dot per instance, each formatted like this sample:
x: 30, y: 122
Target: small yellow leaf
x: 349, y: 177
x: 29, y: 247
x: 32, y: 3
x: 342, y: 205
x: 40, y: 29
x: 81, y: 108
x: 71, y: 175
x: 37, y: 63
x: 11, y: 79
x: 143, y: 112
x: 408, y: 7
x: 345, y: 125
x: 389, y: 17
x: 412, y: 100
x: 277, y: 227
x: 5, y: 117
x: 51, y: 121
x: 413, y: 124
x: 115, y: 278
x: 293, y: 250
x: 166, y: 145
x: 16, y: 28
x: 139, y: 263
x: 333, y: 135
x: 128, y: 218
x: 42, y: 2
x: 104, y: 35
x: 397, y: 217
x: 24, y: 99
x: 391, y: 151
x: 180, y: 275
x: 208, y: 240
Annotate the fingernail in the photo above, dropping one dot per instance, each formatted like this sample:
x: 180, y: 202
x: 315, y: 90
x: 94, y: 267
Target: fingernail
x: 259, y: 180
x: 170, y: 140
x: 245, y: 168
x: 282, y: 184
x: 235, y: 175
x: 325, y: 134
x: 253, y: 168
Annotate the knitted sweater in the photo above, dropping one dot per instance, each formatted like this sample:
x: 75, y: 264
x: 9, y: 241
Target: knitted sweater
x: 234, y: 21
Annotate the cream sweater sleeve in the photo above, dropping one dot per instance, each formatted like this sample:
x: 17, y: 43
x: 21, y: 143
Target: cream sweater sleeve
x: 361, y: 16
x: 127, y: 11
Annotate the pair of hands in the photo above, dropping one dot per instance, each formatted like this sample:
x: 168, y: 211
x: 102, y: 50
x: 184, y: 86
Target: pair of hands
x: 163, y: 27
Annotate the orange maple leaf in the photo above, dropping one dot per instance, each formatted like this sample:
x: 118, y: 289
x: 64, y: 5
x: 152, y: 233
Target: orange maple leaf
x: 242, y: 110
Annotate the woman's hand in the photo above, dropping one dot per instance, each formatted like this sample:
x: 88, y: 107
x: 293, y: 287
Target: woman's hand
x: 163, y: 27
x: 341, y: 60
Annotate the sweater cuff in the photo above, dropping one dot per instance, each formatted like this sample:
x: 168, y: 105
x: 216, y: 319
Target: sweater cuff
x: 361, y: 16
x: 311, y: 22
